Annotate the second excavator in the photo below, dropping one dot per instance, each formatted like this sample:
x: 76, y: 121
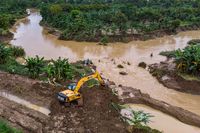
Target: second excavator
x: 72, y: 94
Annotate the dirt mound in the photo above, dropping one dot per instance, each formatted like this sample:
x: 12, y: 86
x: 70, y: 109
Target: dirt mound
x: 96, y: 115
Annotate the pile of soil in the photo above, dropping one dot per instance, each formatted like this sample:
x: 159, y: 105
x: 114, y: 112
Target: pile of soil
x: 96, y: 115
x: 167, y: 75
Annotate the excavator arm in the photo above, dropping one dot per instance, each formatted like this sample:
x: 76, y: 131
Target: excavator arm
x: 70, y: 95
x: 96, y: 75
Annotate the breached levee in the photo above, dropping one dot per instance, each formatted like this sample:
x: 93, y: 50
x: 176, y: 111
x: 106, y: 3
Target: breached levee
x: 131, y: 95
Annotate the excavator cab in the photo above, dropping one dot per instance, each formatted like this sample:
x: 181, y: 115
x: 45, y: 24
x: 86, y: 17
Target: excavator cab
x: 71, y: 86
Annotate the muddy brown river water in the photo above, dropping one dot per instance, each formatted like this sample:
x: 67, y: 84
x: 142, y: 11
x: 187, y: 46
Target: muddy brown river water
x: 35, y: 40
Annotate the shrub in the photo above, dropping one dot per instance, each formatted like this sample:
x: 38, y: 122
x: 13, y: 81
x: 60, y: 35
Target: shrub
x: 104, y: 40
x: 188, y: 59
x: 35, y: 66
x: 138, y: 118
x: 194, y: 42
x: 17, y: 51
x: 12, y: 66
x: 5, y: 128
x: 4, y: 54
x: 168, y: 54
x: 59, y: 69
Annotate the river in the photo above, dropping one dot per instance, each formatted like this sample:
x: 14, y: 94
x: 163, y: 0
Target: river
x: 35, y: 40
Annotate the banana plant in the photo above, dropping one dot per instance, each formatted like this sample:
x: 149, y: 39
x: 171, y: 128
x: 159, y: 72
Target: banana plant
x: 35, y: 66
x: 5, y: 53
x: 188, y: 59
x: 59, y: 69
x: 138, y: 118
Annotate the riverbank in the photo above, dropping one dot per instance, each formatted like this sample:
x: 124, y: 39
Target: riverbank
x: 6, y: 38
x: 80, y: 119
x: 125, y: 38
x: 167, y: 74
x: 135, y: 96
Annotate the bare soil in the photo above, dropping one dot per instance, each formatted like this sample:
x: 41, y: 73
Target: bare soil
x: 96, y: 116
x: 6, y: 38
x: 166, y: 74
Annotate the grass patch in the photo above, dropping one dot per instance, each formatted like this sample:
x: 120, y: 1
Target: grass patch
x: 12, y: 66
x: 5, y: 128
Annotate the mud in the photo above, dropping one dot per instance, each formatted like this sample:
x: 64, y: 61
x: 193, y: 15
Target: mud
x: 96, y: 115
x: 31, y: 90
x: 132, y: 95
x: 166, y: 74
x: 6, y: 38
x: 21, y: 117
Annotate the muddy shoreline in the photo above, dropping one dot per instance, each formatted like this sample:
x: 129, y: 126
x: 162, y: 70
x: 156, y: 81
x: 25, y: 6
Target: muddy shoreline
x: 165, y: 72
x: 135, y: 96
x: 6, y: 38
x: 128, y: 37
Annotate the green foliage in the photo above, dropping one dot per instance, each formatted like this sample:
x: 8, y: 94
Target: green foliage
x: 104, y: 40
x: 91, y: 20
x: 55, y: 9
x: 188, y: 59
x: 14, y: 67
x: 5, y: 54
x: 35, y: 66
x: 194, y: 42
x: 59, y: 69
x: 168, y: 54
x: 138, y: 118
x: 17, y: 51
x: 5, y: 128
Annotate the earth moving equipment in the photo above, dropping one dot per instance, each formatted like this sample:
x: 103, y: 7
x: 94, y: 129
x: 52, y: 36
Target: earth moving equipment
x: 72, y: 94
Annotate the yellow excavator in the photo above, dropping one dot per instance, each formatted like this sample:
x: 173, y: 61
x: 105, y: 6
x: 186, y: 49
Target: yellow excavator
x: 72, y: 94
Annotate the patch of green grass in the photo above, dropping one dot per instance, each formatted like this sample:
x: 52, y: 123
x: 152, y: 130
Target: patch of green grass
x: 5, y: 128
x: 14, y: 67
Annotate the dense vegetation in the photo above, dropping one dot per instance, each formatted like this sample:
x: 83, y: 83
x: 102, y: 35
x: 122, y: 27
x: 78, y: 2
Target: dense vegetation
x: 5, y: 128
x: 37, y: 67
x: 188, y: 59
x: 93, y: 20
x: 10, y: 10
